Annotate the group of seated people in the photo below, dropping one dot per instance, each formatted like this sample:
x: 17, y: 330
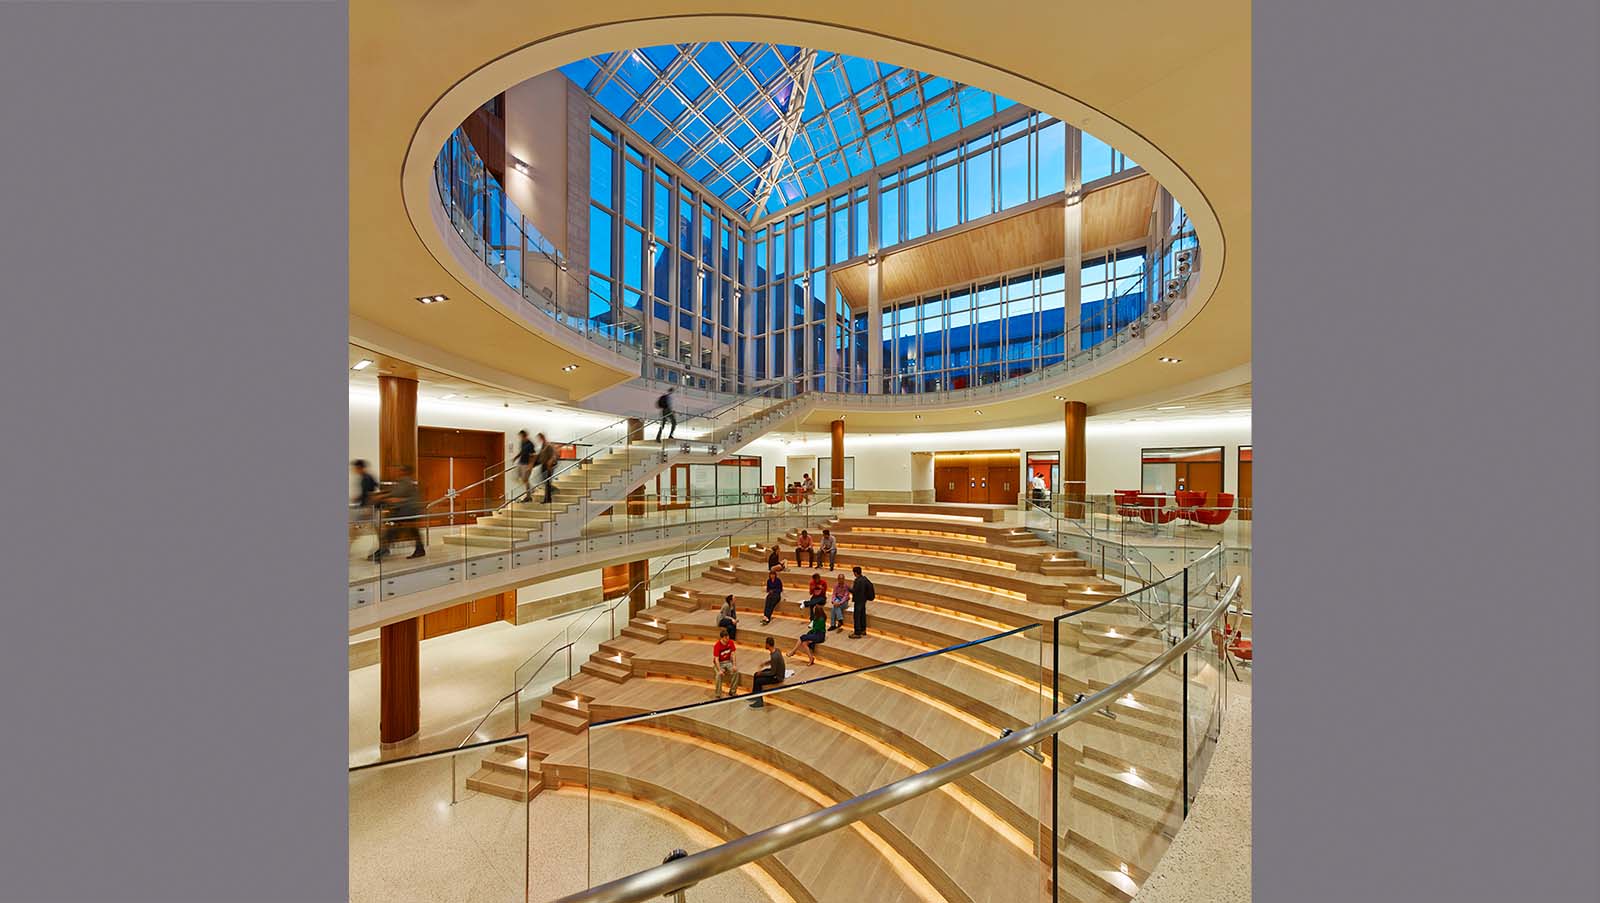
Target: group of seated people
x: 825, y: 610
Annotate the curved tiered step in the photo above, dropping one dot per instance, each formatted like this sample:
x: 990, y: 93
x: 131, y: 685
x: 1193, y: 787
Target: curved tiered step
x: 830, y: 735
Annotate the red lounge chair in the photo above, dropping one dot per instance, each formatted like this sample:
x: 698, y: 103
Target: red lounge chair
x: 1189, y: 500
x: 770, y: 495
x: 1153, y: 509
x: 1127, y: 502
x: 1216, y: 514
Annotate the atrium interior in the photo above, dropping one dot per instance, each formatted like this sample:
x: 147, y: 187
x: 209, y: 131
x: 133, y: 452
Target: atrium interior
x: 804, y: 467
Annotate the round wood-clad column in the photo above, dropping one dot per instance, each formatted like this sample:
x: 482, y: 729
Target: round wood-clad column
x: 397, y: 425
x: 1075, y: 458
x: 399, y: 681
x: 836, y: 489
x: 399, y: 671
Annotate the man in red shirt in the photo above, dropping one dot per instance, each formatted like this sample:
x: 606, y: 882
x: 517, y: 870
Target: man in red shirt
x: 723, y: 665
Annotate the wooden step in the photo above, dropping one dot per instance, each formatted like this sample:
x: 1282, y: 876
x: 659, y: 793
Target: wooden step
x: 607, y: 669
x: 644, y: 630
x: 569, y: 720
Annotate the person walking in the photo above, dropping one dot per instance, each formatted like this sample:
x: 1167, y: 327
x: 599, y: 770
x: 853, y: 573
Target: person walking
x: 841, y: 598
x: 664, y: 405
x: 728, y: 618
x: 547, y: 468
x: 722, y: 652
x: 361, y: 507
x: 774, y: 596
x: 404, y: 502
x: 827, y: 550
x: 861, y: 592
x: 525, y: 452
x: 770, y: 674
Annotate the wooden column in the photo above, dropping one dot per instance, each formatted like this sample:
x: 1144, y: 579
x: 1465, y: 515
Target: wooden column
x: 399, y: 681
x: 836, y: 487
x: 399, y: 675
x: 639, y: 591
x: 397, y: 425
x: 1075, y: 458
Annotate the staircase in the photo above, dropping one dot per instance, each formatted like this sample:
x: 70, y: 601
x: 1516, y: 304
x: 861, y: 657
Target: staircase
x: 611, y: 474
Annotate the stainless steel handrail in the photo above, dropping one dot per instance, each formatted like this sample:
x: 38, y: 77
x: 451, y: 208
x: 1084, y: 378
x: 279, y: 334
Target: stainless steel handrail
x: 683, y: 873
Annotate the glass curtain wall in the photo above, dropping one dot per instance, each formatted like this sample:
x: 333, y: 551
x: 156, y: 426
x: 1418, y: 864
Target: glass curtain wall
x: 658, y: 243
x: 976, y: 334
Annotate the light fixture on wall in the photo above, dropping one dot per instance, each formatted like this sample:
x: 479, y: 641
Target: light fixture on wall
x: 433, y: 299
x: 362, y: 364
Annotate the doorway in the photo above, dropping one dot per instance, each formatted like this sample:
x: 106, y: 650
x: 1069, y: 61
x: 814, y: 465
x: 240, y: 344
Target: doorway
x: 457, y: 459
x: 1168, y: 470
x: 977, y: 478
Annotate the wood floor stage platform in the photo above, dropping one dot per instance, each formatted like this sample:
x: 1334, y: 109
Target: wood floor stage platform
x: 639, y: 720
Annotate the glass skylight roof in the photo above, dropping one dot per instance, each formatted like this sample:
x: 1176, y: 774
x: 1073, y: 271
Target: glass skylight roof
x: 764, y: 125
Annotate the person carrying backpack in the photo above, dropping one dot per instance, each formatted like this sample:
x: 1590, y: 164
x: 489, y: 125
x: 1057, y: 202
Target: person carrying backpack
x: 547, y: 467
x: 861, y: 592
x: 664, y: 405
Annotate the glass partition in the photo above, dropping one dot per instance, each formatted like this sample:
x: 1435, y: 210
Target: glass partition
x: 451, y: 825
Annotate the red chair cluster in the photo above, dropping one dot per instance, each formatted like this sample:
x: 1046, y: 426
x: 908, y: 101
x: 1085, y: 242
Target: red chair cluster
x: 1189, y: 505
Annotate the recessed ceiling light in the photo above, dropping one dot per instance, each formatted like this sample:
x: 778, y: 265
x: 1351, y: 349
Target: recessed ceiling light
x: 1171, y: 407
x: 1061, y: 398
x: 569, y: 368
x: 978, y: 412
x: 433, y: 299
x: 362, y: 364
x: 1171, y: 360
x: 919, y: 416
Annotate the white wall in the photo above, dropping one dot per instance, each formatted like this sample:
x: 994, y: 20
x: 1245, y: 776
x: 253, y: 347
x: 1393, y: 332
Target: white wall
x: 884, y: 460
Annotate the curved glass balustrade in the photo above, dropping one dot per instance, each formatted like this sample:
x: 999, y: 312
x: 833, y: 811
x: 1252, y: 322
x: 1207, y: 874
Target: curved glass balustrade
x: 975, y: 354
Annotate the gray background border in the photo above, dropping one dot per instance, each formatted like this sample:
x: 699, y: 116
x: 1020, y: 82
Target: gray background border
x: 1425, y: 326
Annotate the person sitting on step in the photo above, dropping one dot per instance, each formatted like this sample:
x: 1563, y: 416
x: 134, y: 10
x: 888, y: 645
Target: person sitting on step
x: 804, y: 555
x: 817, y: 590
x: 722, y: 652
x: 771, y: 674
x: 816, y: 636
x: 774, y: 596
x: 728, y: 618
x: 774, y: 560
x: 841, y: 598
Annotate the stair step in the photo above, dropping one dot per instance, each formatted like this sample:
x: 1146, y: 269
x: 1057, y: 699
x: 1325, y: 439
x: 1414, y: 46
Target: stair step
x: 506, y: 785
x: 609, y: 670
x: 645, y: 631
x: 570, y: 720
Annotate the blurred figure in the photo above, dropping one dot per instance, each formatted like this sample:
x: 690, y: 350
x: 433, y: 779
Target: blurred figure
x: 664, y: 405
x: 547, y: 468
x: 361, y: 506
x: 525, y: 452
x: 404, y: 501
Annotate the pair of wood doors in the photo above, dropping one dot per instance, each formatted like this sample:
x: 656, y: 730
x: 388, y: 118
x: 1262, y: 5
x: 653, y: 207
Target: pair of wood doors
x: 456, y: 459
x: 498, y: 607
x: 978, y: 484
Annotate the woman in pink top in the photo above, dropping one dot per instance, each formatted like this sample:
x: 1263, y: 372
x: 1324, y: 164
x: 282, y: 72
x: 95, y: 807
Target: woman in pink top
x: 841, y: 596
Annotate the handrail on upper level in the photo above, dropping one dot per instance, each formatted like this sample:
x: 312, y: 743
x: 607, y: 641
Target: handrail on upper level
x: 680, y: 874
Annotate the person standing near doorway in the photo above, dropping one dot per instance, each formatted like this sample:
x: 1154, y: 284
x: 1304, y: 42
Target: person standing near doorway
x: 547, y: 468
x: 664, y: 405
x: 525, y: 451
x: 861, y: 592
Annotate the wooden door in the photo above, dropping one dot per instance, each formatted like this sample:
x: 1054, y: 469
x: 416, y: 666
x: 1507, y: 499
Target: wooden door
x: 433, y: 481
x: 1201, y: 476
x: 1243, y: 500
x: 483, y: 611
x: 1003, y: 485
x: 951, y: 483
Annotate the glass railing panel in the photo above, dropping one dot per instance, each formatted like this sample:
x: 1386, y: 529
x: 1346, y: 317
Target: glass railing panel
x: 450, y: 825
x: 733, y: 766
